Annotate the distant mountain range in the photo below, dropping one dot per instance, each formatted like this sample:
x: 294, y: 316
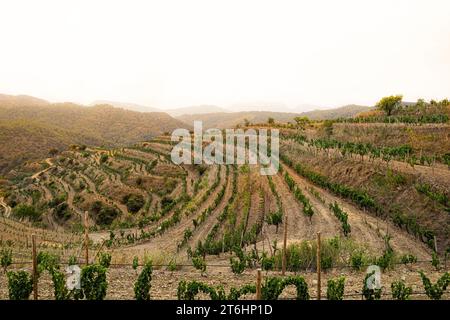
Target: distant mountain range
x: 126, y: 105
x: 228, y: 120
x: 200, y: 109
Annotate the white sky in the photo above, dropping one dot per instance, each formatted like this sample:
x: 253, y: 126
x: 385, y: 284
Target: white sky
x: 178, y: 53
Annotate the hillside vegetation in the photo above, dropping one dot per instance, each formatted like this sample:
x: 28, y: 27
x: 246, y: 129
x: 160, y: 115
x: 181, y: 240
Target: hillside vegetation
x: 29, y: 127
x: 378, y: 193
x: 231, y: 119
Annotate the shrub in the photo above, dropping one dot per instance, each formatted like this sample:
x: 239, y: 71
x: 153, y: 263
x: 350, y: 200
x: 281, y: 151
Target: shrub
x: 435, y: 291
x: 173, y: 266
x: 400, y: 291
x: 134, y: 202
x: 274, y: 286
x: 143, y: 284
x: 199, y: 263
x: 267, y: 263
x: 103, y: 158
x: 275, y: 218
x: 104, y: 259
x: 5, y: 258
x: 408, y: 258
x: 93, y: 282
x: 385, y: 261
x: 342, y: 217
x: 335, y: 288
x: 27, y: 211
x: 238, y: 265
x: 59, y: 286
x: 47, y: 261
x: 370, y: 294
x: 188, y: 290
x: 103, y: 215
x: 135, y: 263
x: 20, y: 285
x: 73, y: 260
x: 357, y: 260
x: 435, y: 262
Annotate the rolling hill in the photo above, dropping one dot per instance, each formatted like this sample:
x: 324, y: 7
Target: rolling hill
x: 29, y: 127
x: 201, y: 109
x: 347, y: 111
x: 229, y: 120
x: 126, y: 105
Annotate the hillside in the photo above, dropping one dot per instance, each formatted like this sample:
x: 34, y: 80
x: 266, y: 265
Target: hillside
x: 30, y: 131
x: 229, y: 120
x: 202, y: 109
x: 224, y: 120
x: 141, y: 205
x: 24, y: 140
x: 126, y: 105
x: 20, y: 100
x: 347, y: 111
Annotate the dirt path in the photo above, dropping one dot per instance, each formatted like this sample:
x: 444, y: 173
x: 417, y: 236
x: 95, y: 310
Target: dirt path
x: 70, y: 197
x: 50, y: 165
x: 7, y: 208
x: 47, y: 194
x: 299, y: 226
x: 364, y: 226
x: 168, y: 241
x: 192, y: 175
x: 201, y: 232
x: 92, y: 187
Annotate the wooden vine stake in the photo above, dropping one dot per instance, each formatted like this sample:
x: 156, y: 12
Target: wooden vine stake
x: 318, y: 267
x: 35, y: 273
x: 283, y: 262
x: 435, y: 245
x: 258, y: 284
x: 86, y: 238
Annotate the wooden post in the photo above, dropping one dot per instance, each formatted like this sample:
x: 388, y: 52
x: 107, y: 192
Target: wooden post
x: 223, y: 243
x: 318, y: 267
x: 283, y: 265
x: 35, y: 275
x: 86, y: 238
x: 258, y: 284
x: 435, y: 244
x: 387, y: 228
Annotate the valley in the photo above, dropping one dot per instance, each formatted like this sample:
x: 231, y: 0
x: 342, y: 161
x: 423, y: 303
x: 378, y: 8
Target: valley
x: 376, y: 193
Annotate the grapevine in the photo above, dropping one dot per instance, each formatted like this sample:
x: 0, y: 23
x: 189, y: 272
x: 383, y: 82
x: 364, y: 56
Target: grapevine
x: 400, y: 291
x: 20, y: 285
x: 143, y: 284
x: 435, y: 291
x: 274, y: 286
x: 335, y: 288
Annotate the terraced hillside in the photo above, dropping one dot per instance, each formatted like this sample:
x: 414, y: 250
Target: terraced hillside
x: 200, y: 216
x: 157, y: 205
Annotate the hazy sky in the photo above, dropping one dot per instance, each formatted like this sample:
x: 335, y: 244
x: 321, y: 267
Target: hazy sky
x: 179, y: 53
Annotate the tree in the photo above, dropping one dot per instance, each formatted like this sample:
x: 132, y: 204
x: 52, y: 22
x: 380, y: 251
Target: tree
x: 53, y: 152
x: 421, y: 103
x: 134, y: 202
x: 302, y: 122
x: 103, y: 158
x: 389, y: 104
x: 271, y: 120
x: 27, y: 211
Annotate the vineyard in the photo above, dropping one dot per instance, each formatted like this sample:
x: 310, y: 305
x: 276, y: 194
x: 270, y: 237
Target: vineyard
x: 156, y: 230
